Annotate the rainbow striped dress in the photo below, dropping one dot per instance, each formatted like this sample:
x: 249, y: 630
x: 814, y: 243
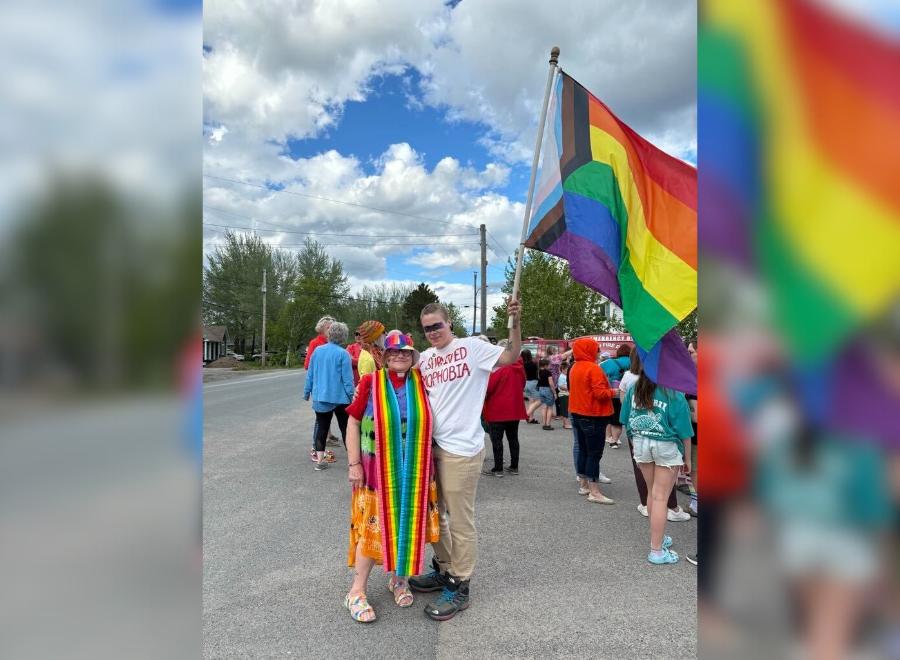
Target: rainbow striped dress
x: 395, y: 512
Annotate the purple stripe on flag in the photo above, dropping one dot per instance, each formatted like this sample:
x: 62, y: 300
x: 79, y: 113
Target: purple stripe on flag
x: 863, y: 404
x: 588, y: 264
x: 669, y: 364
x: 724, y: 227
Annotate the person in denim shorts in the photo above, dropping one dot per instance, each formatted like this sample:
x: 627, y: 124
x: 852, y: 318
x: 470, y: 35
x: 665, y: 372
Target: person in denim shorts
x: 658, y: 423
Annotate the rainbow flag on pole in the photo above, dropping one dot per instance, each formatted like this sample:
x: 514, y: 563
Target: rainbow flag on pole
x: 624, y: 215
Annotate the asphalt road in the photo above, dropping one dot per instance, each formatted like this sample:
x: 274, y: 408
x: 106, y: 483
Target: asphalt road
x: 557, y: 576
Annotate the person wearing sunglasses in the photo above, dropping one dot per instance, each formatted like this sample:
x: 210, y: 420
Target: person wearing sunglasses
x: 455, y: 372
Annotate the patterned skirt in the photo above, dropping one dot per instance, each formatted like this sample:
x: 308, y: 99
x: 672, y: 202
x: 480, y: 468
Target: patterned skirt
x: 365, y: 531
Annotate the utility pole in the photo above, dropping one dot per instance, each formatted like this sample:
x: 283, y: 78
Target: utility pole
x: 483, y: 277
x: 475, y: 306
x: 264, y: 320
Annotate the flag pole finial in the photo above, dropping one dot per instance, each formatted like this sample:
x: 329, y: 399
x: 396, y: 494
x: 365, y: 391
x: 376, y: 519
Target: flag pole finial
x: 554, y: 55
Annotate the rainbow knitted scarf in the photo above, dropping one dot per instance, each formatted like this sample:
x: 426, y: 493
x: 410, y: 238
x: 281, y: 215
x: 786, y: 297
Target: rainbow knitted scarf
x: 402, y: 474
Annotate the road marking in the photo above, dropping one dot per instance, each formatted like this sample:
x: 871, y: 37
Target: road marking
x: 242, y: 381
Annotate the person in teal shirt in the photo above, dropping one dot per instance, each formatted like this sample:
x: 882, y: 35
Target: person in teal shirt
x: 658, y: 422
x: 614, y: 367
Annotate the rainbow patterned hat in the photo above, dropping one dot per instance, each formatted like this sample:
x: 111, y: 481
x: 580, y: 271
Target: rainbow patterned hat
x: 398, y: 341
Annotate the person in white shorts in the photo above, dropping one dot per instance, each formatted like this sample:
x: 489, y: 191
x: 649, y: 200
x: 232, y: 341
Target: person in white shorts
x: 658, y: 422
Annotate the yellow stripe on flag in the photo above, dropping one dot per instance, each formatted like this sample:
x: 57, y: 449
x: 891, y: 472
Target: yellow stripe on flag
x: 836, y: 229
x: 664, y: 275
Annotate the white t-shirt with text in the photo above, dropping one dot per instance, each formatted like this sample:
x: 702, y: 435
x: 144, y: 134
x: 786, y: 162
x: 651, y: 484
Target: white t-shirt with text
x: 456, y: 378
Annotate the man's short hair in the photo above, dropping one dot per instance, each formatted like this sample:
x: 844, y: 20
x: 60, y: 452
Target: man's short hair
x: 435, y: 308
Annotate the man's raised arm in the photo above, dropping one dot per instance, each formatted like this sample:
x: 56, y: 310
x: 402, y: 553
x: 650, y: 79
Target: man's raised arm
x: 514, y: 347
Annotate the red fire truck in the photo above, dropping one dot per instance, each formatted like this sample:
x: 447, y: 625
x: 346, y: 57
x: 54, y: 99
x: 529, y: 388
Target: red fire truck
x: 609, y: 342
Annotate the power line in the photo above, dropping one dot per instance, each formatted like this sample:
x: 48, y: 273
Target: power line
x: 368, y: 245
x: 503, y: 251
x: 336, y: 201
x: 349, y: 298
x: 314, y: 233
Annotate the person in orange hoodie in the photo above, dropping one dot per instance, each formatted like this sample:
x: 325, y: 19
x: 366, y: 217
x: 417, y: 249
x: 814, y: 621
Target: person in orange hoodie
x: 590, y: 405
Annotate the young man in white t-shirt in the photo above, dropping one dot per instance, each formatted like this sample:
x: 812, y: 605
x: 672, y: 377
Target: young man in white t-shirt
x: 456, y: 372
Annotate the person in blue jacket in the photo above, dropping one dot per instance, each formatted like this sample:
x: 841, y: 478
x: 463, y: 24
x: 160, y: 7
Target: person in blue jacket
x: 330, y: 382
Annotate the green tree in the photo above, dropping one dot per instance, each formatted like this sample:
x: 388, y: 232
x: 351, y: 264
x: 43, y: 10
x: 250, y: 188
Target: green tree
x: 689, y: 326
x: 320, y: 288
x: 95, y: 298
x: 382, y: 302
x: 412, y: 306
x: 553, y: 304
x: 232, y: 289
x: 457, y: 319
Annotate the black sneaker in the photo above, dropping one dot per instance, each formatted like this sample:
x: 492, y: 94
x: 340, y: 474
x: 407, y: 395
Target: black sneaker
x: 493, y: 472
x: 454, y: 598
x: 434, y: 581
x: 693, y: 559
x: 512, y: 470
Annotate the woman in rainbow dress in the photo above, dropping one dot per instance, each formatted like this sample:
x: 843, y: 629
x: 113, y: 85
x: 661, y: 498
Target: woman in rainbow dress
x: 394, y: 510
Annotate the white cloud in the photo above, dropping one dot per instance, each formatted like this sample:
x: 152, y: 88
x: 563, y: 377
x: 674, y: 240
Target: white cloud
x: 98, y: 90
x: 638, y: 57
x: 286, y: 69
x: 216, y: 134
x: 280, y: 69
x: 434, y: 214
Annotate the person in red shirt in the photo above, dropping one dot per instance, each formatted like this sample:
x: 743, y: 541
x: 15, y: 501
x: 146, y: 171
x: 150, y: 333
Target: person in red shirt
x: 354, y: 350
x: 320, y: 338
x: 503, y: 409
x: 590, y: 405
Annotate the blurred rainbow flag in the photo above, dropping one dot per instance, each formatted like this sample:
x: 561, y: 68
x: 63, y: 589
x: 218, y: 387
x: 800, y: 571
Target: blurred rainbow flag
x: 799, y: 116
x: 799, y: 134
x: 624, y: 215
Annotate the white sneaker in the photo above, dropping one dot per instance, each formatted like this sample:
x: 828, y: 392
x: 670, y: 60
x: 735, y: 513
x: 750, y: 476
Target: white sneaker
x: 603, y: 479
x: 643, y: 510
x: 677, y: 515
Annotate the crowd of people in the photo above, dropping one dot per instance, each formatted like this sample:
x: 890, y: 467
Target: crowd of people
x: 415, y: 442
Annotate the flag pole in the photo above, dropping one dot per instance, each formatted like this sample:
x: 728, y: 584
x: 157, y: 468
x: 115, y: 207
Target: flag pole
x: 554, y: 63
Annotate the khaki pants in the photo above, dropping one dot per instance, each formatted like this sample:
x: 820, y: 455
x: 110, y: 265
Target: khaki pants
x: 457, y: 481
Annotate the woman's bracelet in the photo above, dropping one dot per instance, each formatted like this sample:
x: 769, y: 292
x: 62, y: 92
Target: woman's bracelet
x: 350, y: 465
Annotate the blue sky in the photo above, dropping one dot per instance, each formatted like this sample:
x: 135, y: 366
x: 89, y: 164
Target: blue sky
x: 424, y: 109
x: 392, y: 113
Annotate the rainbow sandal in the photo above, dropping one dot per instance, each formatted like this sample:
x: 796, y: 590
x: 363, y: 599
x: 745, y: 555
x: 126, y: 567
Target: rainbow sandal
x: 359, y: 608
x: 402, y: 594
